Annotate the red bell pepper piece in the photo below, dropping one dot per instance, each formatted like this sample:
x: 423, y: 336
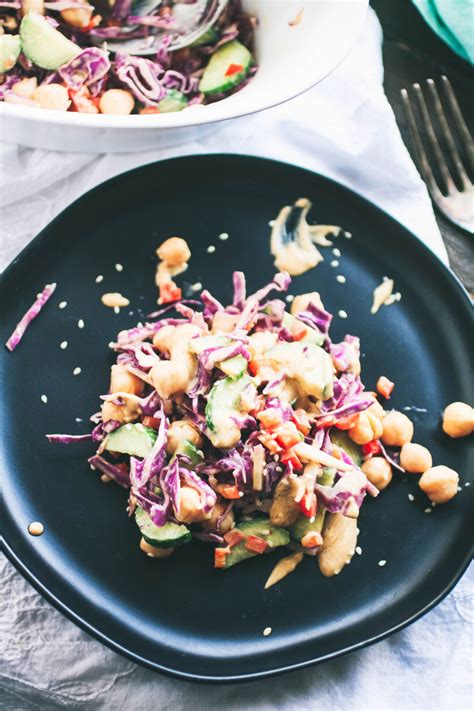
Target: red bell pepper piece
x: 385, y: 386
x: 228, y: 491
x: 301, y: 420
x: 270, y: 418
x: 169, y: 292
x: 269, y: 442
x: 371, y: 448
x: 153, y: 422
x: 287, y: 435
x: 298, y: 330
x: 256, y: 544
x: 311, y: 539
x: 233, y: 537
x: 308, y: 504
x: 220, y: 556
x: 83, y: 102
x: 234, y: 69
x: 290, y: 457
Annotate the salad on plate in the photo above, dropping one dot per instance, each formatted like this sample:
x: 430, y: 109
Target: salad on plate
x: 245, y: 426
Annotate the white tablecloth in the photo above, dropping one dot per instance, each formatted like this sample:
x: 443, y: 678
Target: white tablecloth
x: 343, y: 128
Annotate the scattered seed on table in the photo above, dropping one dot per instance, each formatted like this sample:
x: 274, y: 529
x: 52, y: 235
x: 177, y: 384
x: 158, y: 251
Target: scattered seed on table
x: 79, y: 419
x: 381, y: 563
x: 99, y: 278
x: 62, y: 304
x: 116, y: 309
x: 63, y: 345
x: 468, y: 483
x: 334, y: 263
x: 359, y: 550
x: 342, y: 314
x: 77, y: 371
x: 341, y: 279
x: 289, y: 298
x: 428, y: 510
x: 211, y: 249
x: 44, y: 399
x: 411, y: 497
x: 267, y: 631
x: 271, y: 223
x: 197, y: 286
x: 348, y: 235
x: 336, y: 252
x: 223, y: 236
x: 80, y: 323
x: 119, y: 267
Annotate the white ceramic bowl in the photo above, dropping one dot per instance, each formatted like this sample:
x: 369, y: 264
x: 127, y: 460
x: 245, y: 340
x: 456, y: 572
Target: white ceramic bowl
x: 291, y: 59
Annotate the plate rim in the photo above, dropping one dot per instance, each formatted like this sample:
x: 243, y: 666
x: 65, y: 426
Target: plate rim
x: 90, y: 628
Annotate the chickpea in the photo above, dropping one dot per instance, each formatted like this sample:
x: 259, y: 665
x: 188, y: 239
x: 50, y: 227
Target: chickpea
x: 153, y: 551
x: 174, y: 251
x: 52, y: 96
x: 174, y: 375
x: 377, y: 410
x: 397, y: 429
x: 78, y: 17
x: 301, y: 302
x: 31, y: 6
x: 122, y: 381
x: 378, y: 471
x: 128, y: 412
x: 440, y: 484
x: 190, y: 505
x: 116, y: 101
x: 415, y: 458
x: 458, y: 419
x: 261, y: 342
x: 180, y: 430
x: 25, y: 87
x: 367, y: 428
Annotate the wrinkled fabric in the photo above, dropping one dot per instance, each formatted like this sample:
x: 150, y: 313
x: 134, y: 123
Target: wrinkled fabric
x: 345, y: 129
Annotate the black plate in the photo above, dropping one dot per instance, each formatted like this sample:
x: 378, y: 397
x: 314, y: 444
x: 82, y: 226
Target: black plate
x: 181, y: 616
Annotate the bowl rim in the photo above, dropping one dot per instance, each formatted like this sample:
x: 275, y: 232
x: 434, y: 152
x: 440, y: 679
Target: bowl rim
x: 193, y: 116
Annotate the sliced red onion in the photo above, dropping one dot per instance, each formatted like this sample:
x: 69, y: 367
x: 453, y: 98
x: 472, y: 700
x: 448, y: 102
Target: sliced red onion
x: 32, y: 313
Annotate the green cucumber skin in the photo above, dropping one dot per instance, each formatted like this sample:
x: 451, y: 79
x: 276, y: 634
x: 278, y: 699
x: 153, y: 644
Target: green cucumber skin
x: 214, y: 80
x: 174, y: 101
x: 122, y: 439
x: 10, y: 48
x: 234, y: 367
x: 43, y: 44
x: 342, y: 439
x: 170, y: 535
x: 277, y: 536
x: 225, y: 395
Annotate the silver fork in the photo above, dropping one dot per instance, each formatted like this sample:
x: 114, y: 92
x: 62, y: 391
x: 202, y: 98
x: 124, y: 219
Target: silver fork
x: 457, y: 203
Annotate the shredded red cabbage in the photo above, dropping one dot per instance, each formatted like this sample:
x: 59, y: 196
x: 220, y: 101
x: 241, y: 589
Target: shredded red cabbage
x: 31, y: 314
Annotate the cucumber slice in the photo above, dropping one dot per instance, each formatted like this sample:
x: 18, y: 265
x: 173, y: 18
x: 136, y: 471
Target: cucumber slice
x: 10, y: 48
x: 215, y: 79
x: 135, y: 440
x: 262, y: 528
x: 234, y: 367
x: 173, y: 101
x: 210, y: 36
x: 223, y: 401
x: 168, y: 536
x: 311, y: 337
x: 190, y: 450
x: 342, y: 439
x: 43, y: 44
x: 202, y: 343
x: 303, y: 524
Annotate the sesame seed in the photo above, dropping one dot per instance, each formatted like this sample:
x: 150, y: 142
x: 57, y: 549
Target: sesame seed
x: 459, y: 488
x: 63, y: 345
x: 342, y: 314
x: 223, y: 236
x: 267, y: 631
x: 62, y: 304
x: 111, y: 344
x: 358, y: 550
x: 197, y: 286
x: 468, y: 483
x: 381, y: 563
x: 119, y: 267
x: 428, y: 510
x: 116, y: 309
x: 341, y: 279
x: 289, y: 298
x: 76, y: 371
x: 334, y: 263
x: 80, y: 323
x: 79, y: 419
x: 411, y: 497
x: 35, y: 528
x: 348, y: 235
x: 211, y: 249
x: 99, y: 278
x: 336, y: 252
x: 271, y: 223
x: 44, y: 399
